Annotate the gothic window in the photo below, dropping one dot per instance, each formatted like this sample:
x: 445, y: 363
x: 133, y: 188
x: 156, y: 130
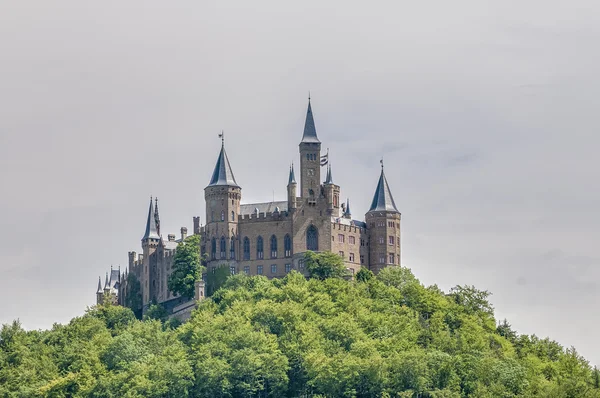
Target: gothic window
x: 341, y: 238
x: 222, y: 215
x: 259, y: 247
x: 391, y: 240
x: 351, y: 257
x: 351, y: 240
x: 273, y: 247
x: 223, y: 247
x: 246, y: 248
x: 287, y: 243
x: 381, y: 240
x: 232, y: 249
x: 312, y: 238
x: 232, y: 216
x: 391, y: 258
x: 213, y: 249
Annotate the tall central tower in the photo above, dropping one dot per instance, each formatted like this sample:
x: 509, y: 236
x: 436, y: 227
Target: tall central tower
x: 310, y: 154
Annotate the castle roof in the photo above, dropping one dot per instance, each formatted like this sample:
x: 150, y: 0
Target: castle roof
x: 329, y: 179
x: 310, y: 131
x: 383, y: 200
x: 151, y: 229
x: 268, y: 207
x: 99, y: 285
x: 292, y: 179
x: 223, y: 175
x: 348, y: 213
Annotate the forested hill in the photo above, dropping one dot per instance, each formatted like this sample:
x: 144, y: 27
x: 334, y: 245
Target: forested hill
x: 326, y: 336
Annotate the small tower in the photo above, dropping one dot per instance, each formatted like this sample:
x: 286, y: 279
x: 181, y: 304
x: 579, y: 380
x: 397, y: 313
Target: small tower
x: 310, y: 158
x: 222, y: 197
x: 347, y: 213
x: 99, y: 292
x: 149, y: 244
x: 332, y: 193
x: 383, y: 221
x: 292, y: 190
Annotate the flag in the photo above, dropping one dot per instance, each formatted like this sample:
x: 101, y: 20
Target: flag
x: 325, y: 159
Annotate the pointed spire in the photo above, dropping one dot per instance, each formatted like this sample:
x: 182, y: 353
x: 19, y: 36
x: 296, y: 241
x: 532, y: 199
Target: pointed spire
x: 383, y: 200
x: 348, y: 213
x: 106, y: 287
x: 223, y: 175
x: 151, y: 229
x: 99, y: 285
x: 292, y: 179
x: 156, y: 217
x: 310, y: 131
x: 329, y: 179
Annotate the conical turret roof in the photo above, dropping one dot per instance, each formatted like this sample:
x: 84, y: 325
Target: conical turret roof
x: 329, y: 178
x: 151, y: 228
x: 348, y: 213
x: 310, y: 131
x: 223, y: 175
x: 292, y: 179
x: 99, y: 285
x: 383, y: 200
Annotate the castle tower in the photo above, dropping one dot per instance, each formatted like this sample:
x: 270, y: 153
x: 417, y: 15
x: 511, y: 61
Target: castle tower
x: 310, y: 157
x: 149, y: 244
x: 347, y: 212
x: 383, y: 220
x: 292, y: 190
x: 99, y: 292
x: 222, y: 197
x: 332, y: 193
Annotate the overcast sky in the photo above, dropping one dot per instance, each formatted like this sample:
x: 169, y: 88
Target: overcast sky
x: 486, y: 115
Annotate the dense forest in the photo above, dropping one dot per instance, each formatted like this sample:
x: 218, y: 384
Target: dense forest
x: 325, y: 336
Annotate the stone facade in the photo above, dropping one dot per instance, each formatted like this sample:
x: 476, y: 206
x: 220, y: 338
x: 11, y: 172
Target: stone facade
x: 270, y: 238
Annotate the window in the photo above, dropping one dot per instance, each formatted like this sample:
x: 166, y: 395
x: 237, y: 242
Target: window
x: 301, y: 265
x: 222, y: 216
x: 351, y: 257
x: 232, y: 249
x: 246, y: 269
x: 232, y: 216
x: 232, y: 270
x: 341, y: 253
x: 259, y: 270
x: 351, y: 240
x: 246, y: 248
x: 273, y: 268
x: 381, y: 240
x: 391, y: 258
x: 259, y: 247
x: 391, y: 240
x: 213, y: 249
x: 362, y: 242
x: 340, y: 238
x: 312, y: 238
x: 382, y: 258
x: 332, y: 238
x: 288, y: 268
x: 214, y: 269
x: 223, y: 247
x: 287, y: 245
x: 362, y: 258
x: 273, y: 246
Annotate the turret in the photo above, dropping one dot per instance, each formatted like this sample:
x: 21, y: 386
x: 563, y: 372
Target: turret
x: 332, y: 193
x: 99, y: 292
x: 383, y: 221
x: 347, y: 213
x: 310, y: 157
x: 292, y: 190
x: 222, y: 198
x: 150, y: 242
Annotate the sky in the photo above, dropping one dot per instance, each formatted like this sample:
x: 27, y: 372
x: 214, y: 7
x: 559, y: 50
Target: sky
x: 486, y: 115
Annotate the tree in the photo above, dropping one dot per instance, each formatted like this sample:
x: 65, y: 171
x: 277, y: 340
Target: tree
x: 324, y: 265
x: 187, y: 267
x: 156, y: 311
x: 216, y: 278
x: 133, y: 294
x: 364, y: 275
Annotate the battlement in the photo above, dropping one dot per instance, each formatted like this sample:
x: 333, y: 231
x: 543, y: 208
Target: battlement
x: 263, y: 217
x: 348, y: 228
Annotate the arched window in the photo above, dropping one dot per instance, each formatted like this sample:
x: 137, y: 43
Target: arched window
x: 259, y: 248
x: 312, y: 238
x: 246, y: 248
x: 287, y: 243
x: 222, y: 215
x: 232, y: 249
x: 232, y: 216
x: 223, y: 247
x: 213, y: 249
x: 273, y: 246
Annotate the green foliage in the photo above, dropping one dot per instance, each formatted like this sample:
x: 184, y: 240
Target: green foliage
x: 364, y: 275
x: 156, y: 311
x: 324, y: 265
x: 187, y: 267
x: 216, y: 278
x: 376, y: 336
x: 133, y: 294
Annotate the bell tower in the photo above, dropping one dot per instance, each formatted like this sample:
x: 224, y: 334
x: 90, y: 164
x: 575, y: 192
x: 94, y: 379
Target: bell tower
x: 310, y: 158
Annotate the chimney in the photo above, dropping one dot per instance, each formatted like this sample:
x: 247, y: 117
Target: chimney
x: 171, y: 237
x: 196, y: 225
x: 183, y: 233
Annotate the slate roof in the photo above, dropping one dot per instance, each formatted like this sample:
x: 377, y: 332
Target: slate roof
x: 310, y: 131
x: 292, y: 179
x: 329, y: 179
x: 269, y: 207
x: 383, y: 200
x: 223, y: 175
x: 151, y: 230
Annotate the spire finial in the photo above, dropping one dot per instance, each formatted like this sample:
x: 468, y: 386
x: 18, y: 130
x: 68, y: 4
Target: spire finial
x: 222, y: 137
x: 381, y: 161
x: 308, y: 95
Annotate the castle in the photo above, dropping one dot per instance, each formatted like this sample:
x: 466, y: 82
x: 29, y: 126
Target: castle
x: 268, y: 238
